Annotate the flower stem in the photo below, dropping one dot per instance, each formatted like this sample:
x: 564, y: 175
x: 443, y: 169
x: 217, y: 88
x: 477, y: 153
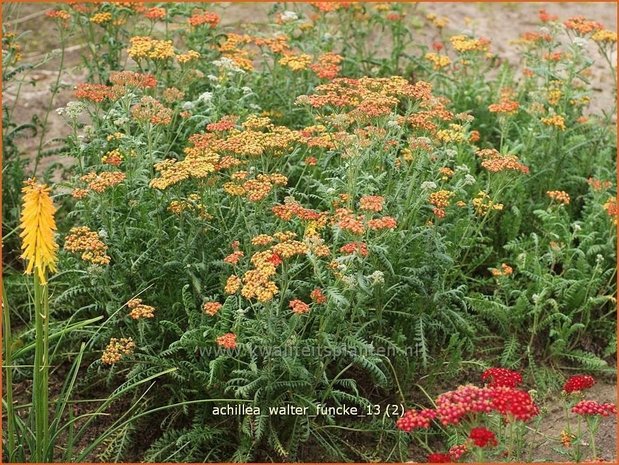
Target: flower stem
x: 8, y: 362
x: 41, y: 371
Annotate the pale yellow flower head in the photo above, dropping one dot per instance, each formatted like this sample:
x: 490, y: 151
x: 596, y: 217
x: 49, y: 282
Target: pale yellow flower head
x: 38, y: 227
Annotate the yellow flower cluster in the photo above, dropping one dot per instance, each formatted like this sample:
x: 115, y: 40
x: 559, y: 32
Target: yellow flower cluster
x: 193, y: 204
x: 147, y: 47
x: 296, y: 62
x: 455, y: 133
x: 188, y: 56
x: 605, y: 36
x: 439, y: 61
x: 212, y: 152
x: 101, y: 18
x: 140, y: 310
x: 505, y: 270
x: 116, y: 349
x: 38, y: 227
x: 482, y: 204
x: 555, y: 120
x: 561, y: 197
x: 438, y: 21
x: 83, y: 239
x: 463, y: 44
x: 198, y: 163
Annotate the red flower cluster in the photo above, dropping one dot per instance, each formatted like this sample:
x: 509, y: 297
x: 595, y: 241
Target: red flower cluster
x: 510, y: 402
x: 360, y: 247
x: 514, y: 403
x: 578, y: 383
x: 455, y: 452
x: 483, y: 437
x: 413, y: 419
x: 439, y: 458
x: 591, y: 407
x: 502, y: 377
x: 452, y: 406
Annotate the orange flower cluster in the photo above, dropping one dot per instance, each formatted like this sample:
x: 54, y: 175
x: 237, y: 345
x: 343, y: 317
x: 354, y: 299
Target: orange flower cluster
x: 292, y: 209
x: 533, y: 38
x: 232, y: 49
x: 366, y: 97
x: 561, y: 197
x: 371, y: 203
x: 360, y: 248
x: 318, y: 296
x: 611, y: 208
x: 147, y: 47
x: 496, y: 162
x: 599, y: 185
x: 582, y: 25
x: 348, y: 221
x: 299, y: 307
x: 254, y: 189
x: 83, y: 239
x: 117, y: 349
x: 567, y: 439
x: 446, y: 173
x: 98, y: 92
x: 155, y: 13
x: 58, y: 14
x: 211, y: 308
x: 102, y: 181
x: 328, y: 66
x: 327, y: 7
x: 227, y: 341
x: 386, y: 222
x: 224, y: 124
x: 133, y: 79
x: 140, y: 310
x: 201, y: 18
x: 546, y: 17
x: 505, y: 270
x: 482, y: 204
x: 440, y: 200
x: 258, y: 137
x: 150, y: 110
x: 234, y: 257
x: 509, y: 107
x: 113, y: 158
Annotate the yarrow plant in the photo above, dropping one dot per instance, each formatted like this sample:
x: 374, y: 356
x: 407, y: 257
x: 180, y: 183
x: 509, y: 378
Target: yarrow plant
x: 335, y: 206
